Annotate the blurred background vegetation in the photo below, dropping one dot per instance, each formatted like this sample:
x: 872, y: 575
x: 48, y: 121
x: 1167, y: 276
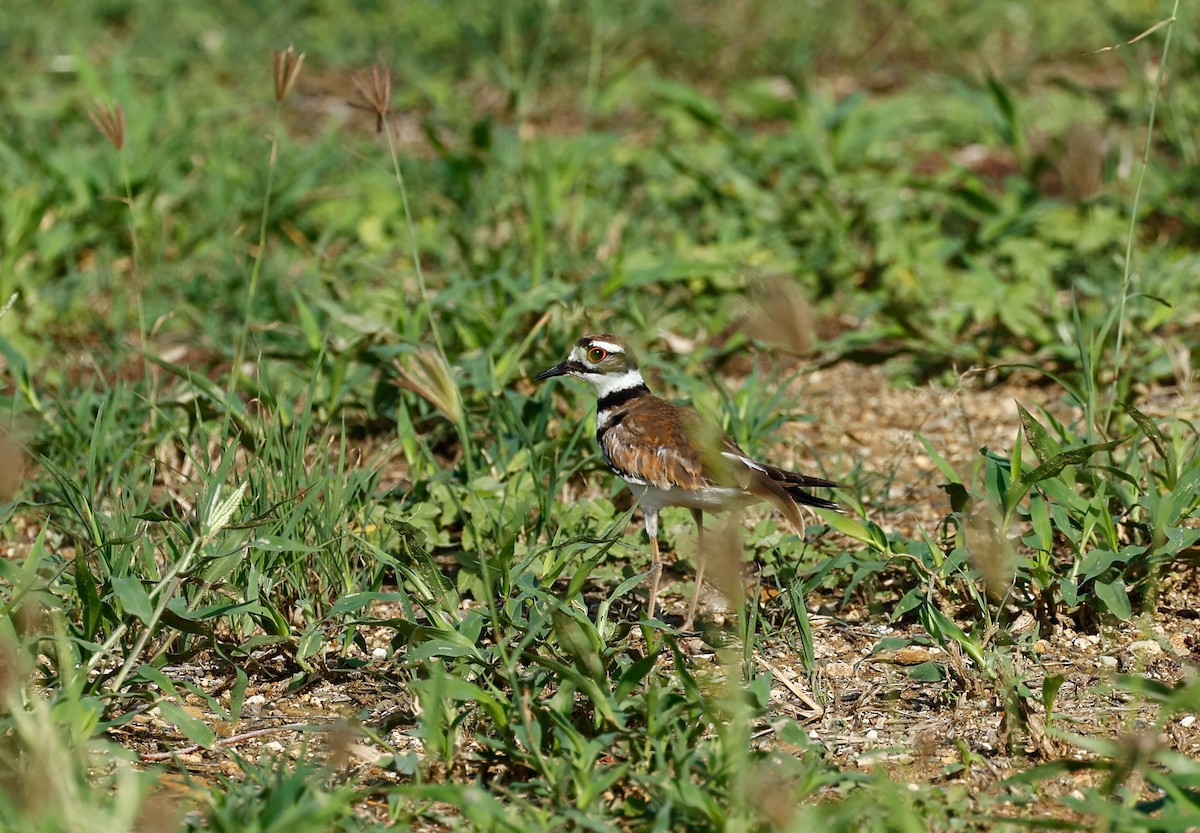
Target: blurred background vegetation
x: 947, y: 180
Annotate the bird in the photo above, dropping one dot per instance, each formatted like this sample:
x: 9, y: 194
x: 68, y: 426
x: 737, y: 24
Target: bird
x: 668, y: 456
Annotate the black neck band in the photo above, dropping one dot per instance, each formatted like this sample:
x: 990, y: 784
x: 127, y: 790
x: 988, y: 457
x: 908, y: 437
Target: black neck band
x: 617, y: 398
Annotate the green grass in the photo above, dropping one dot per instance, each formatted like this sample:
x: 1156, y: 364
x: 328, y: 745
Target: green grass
x: 273, y: 371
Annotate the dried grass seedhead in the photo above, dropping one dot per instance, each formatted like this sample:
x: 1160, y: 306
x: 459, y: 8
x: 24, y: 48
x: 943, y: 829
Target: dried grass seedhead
x: 11, y: 668
x: 162, y: 813
x: 724, y: 555
x: 110, y: 121
x: 428, y: 375
x: 782, y: 315
x: 1082, y: 160
x: 14, y: 463
x: 287, y: 69
x: 774, y: 796
x: 375, y: 89
x: 991, y: 553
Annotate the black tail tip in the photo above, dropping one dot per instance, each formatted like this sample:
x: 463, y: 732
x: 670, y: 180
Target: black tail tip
x: 805, y: 499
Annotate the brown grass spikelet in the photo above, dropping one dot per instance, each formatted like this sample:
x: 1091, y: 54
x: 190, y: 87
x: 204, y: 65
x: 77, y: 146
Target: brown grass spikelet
x: 724, y: 555
x: 782, y: 315
x: 991, y: 553
x: 425, y: 372
x: 14, y: 463
x: 14, y: 459
x: 375, y: 89
x: 287, y: 69
x: 110, y: 121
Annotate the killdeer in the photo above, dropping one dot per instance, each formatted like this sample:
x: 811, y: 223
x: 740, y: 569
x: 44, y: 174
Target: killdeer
x: 668, y: 457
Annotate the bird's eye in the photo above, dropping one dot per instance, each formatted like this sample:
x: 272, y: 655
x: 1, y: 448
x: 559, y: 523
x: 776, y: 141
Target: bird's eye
x: 597, y: 355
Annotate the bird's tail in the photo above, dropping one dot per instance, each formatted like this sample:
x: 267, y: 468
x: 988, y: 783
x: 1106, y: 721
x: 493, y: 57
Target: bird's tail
x: 784, y: 489
x: 795, y: 484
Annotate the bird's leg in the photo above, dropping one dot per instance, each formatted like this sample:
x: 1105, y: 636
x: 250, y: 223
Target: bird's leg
x: 655, y: 561
x: 701, y: 557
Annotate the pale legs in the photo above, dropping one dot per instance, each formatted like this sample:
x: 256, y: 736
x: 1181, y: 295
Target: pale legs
x: 656, y: 566
x: 655, y: 560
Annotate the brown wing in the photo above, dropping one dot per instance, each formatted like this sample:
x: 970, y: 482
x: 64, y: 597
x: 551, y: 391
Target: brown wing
x: 664, y: 445
x: 648, y: 441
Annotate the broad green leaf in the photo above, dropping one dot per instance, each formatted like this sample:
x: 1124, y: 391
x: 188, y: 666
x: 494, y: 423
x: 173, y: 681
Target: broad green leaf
x: 1043, y: 445
x: 276, y: 543
x: 632, y: 676
x: 941, y: 627
x: 1151, y: 430
x: 89, y: 598
x: 1074, y: 457
x: 1050, y: 686
x: 867, y: 533
x: 581, y: 646
x: 1115, y: 598
x: 1039, y: 517
x: 927, y: 672
x: 134, y: 597
x: 155, y: 675
x: 310, y: 641
x: 192, y: 727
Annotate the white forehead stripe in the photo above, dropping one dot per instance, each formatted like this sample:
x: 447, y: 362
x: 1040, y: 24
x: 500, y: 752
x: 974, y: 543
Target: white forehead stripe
x: 607, y: 345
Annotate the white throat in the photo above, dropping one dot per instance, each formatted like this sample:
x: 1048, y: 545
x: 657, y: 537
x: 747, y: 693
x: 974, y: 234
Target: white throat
x: 611, y: 384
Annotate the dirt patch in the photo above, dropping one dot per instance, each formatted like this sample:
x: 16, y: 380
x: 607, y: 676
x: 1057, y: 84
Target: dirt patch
x: 867, y: 425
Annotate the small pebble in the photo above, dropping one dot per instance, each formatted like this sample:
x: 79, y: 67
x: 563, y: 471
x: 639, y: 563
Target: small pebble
x: 379, y: 654
x: 1188, y: 722
x: 1024, y: 622
x: 1108, y: 662
x: 1145, y: 648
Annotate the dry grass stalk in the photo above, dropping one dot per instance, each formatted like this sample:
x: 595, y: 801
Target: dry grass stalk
x: 110, y: 121
x: 991, y: 553
x: 782, y: 315
x: 427, y: 374
x: 287, y: 69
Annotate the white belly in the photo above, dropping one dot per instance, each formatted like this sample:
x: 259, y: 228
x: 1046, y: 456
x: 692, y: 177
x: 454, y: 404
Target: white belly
x: 712, y: 499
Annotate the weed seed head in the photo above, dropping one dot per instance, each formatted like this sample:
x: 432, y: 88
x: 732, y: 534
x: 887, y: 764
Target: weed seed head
x: 287, y: 69
x: 110, y: 121
x: 375, y: 89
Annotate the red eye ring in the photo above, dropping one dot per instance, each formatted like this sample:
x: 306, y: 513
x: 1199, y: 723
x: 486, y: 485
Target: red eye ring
x: 597, y: 354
